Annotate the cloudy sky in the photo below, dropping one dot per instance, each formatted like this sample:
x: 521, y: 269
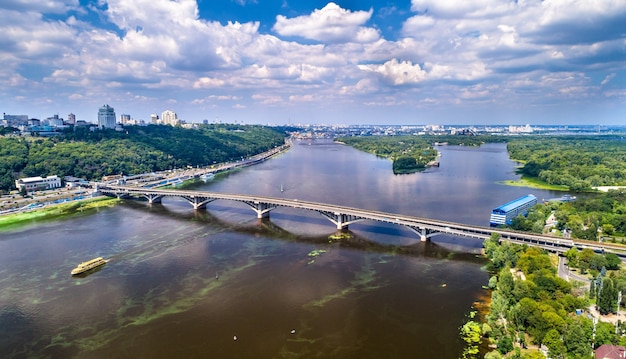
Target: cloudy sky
x: 296, y: 61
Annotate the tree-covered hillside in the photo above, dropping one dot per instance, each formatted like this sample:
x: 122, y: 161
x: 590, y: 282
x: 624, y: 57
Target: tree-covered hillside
x: 138, y: 149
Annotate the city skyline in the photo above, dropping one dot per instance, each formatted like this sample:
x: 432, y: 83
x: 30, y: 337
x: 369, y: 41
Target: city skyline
x: 343, y: 62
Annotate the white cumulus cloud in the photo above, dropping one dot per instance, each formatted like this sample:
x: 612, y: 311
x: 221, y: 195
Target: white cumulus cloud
x: 397, y: 73
x: 331, y: 24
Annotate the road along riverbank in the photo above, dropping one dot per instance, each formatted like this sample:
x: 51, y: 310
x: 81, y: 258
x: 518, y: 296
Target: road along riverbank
x: 11, y: 221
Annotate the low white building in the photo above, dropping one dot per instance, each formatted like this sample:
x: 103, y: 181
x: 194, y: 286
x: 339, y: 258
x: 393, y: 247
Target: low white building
x: 38, y: 183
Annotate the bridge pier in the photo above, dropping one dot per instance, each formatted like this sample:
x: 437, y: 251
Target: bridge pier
x: 152, y: 199
x: 421, y: 232
x: 262, y: 209
x: 342, y: 216
x: 198, y: 202
x: 340, y: 220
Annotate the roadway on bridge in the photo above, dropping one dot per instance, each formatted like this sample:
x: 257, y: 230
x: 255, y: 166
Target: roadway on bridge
x: 342, y: 216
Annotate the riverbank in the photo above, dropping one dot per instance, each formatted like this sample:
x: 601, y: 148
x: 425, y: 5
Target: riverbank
x: 538, y: 304
x: 10, y: 221
x: 10, y: 213
x: 534, y: 183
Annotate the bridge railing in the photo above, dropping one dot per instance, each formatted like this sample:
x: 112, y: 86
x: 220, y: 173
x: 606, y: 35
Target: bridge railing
x: 425, y: 227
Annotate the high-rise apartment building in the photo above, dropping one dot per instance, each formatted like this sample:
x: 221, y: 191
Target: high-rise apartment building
x: 71, y: 119
x: 125, y: 119
x: 54, y: 121
x: 106, y: 117
x: 169, y: 118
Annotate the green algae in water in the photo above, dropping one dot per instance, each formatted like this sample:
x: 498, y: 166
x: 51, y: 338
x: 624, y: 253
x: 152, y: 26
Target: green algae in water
x: 11, y: 221
x: 315, y: 253
x: 363, y: 281
x: 339, y: 236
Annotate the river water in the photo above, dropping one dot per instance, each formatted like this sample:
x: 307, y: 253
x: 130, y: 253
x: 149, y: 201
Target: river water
x: 219, y: 283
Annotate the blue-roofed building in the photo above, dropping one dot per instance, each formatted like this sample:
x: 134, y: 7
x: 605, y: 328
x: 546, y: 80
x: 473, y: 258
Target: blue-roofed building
x: 505, y: 213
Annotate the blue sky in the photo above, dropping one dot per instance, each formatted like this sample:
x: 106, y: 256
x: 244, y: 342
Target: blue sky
x: 343, y: 62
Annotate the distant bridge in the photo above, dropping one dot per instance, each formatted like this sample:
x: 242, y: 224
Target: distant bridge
x: 342, y: 217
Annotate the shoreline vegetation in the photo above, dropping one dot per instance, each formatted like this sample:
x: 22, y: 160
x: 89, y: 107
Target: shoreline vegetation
x: 558, y: 163
x: 530, y: 182
x: 411, y: 154
x: 533, y: 312
x: 581, y: 163
x: 56, y: 211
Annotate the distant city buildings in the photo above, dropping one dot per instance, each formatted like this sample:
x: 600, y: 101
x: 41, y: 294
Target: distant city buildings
x: 106, y: 120
x: 14, y: 120
x: 125, y: 119
x: 520, y: 129
x: 106, y: 117
x: 53, y: 125
x: 54, y: 121
x: 169, y: 117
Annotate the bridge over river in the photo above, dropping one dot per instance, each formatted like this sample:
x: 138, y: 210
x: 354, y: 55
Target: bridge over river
x: 342, y: 217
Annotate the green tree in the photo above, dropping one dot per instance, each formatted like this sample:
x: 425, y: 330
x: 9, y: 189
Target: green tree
x: 534, y: 259
x: 605, y: 334
x: 532, y: 354
x: 597, y: 261
x: 555, y: 345
x: 406, y: 164
x: 493, y: 282
x: 506, y: 284
x: 505, y: 344
x: 613, y: 262
x: 607, y: 298
x: 572, y: 257
x: 577, y: 337
x: 584, y: 259
x: 608, y: 229
x: 493, y: 355
x: 592, y: 289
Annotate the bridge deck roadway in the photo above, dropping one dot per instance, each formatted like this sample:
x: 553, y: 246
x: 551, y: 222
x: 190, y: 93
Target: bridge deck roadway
x: 342, y: 216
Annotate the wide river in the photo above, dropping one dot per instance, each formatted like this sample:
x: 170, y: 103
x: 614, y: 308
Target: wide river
x: 217, y: 283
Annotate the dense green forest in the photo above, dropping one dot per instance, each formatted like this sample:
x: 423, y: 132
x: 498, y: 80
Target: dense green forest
x: 410, y: 153
x: 579, y: 162
x: 531, y: 305
x: 138, y: 149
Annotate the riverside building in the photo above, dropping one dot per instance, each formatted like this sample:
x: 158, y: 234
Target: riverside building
x: 505, y: 213
x: 38, y: 183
